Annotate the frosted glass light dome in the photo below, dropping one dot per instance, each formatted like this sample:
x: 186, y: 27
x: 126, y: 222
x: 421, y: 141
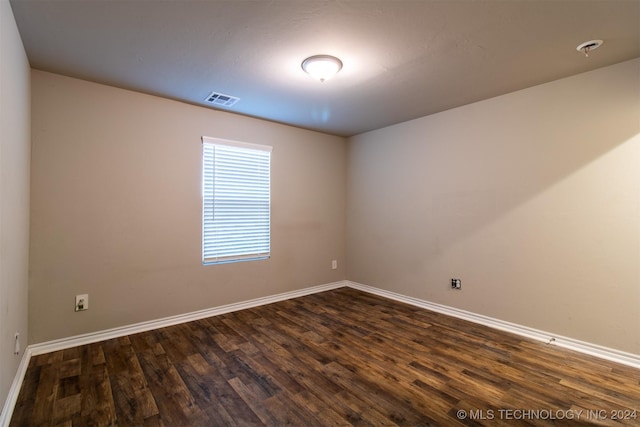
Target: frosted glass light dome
x: 322, y: 67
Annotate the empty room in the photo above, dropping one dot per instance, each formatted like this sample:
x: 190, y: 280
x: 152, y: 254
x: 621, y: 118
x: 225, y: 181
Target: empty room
x: 319, y: 213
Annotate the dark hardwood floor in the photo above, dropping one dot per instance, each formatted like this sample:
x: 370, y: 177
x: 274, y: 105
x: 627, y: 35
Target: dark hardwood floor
x: 341, y: 357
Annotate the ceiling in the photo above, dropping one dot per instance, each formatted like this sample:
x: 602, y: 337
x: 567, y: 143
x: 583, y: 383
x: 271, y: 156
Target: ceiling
x: 402, y: 59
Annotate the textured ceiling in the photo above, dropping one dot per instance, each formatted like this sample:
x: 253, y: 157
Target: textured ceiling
x: 402, y: 59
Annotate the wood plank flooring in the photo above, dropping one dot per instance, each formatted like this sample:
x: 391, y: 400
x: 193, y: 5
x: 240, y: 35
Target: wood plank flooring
x: 336, y: 358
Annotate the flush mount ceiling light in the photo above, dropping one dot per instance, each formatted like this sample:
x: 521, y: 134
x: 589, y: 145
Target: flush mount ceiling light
x: 587, y: 47
x: 322, y: 67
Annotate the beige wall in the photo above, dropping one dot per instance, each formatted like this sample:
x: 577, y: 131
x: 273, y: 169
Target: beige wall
x: 532, y: 199
x: 116, y: 208
x: 14, y: 195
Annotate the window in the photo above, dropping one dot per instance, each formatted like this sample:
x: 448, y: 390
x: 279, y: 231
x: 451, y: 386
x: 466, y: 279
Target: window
x: 236, y: 201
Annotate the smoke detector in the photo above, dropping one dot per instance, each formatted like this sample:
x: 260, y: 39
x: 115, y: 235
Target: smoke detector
x: 587, y: 47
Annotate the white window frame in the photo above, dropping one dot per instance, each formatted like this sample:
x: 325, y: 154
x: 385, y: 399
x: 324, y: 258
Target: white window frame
x: 231, y: 232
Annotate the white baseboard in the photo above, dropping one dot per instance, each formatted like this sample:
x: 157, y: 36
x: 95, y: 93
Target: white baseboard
x: 12, y: 397
x: 610, y: 354
x: 64, y: 343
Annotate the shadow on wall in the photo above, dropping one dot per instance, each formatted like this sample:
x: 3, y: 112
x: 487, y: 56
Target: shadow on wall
x: 457, y: 171
x: 533, y: 194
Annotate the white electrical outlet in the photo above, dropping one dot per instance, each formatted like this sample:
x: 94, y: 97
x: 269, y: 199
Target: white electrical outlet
x: 16, y: 347
x: 334, y: 264
x: 82, y: 302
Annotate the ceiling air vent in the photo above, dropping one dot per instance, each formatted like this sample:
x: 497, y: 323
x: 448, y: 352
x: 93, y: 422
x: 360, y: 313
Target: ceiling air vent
x: 216, y: 98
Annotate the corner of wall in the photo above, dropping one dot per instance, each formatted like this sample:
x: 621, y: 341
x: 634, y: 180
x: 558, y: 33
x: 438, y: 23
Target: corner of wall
x: 15, y: 157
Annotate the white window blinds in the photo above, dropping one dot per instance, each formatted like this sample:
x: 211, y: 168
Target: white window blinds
x: 236, y: 201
